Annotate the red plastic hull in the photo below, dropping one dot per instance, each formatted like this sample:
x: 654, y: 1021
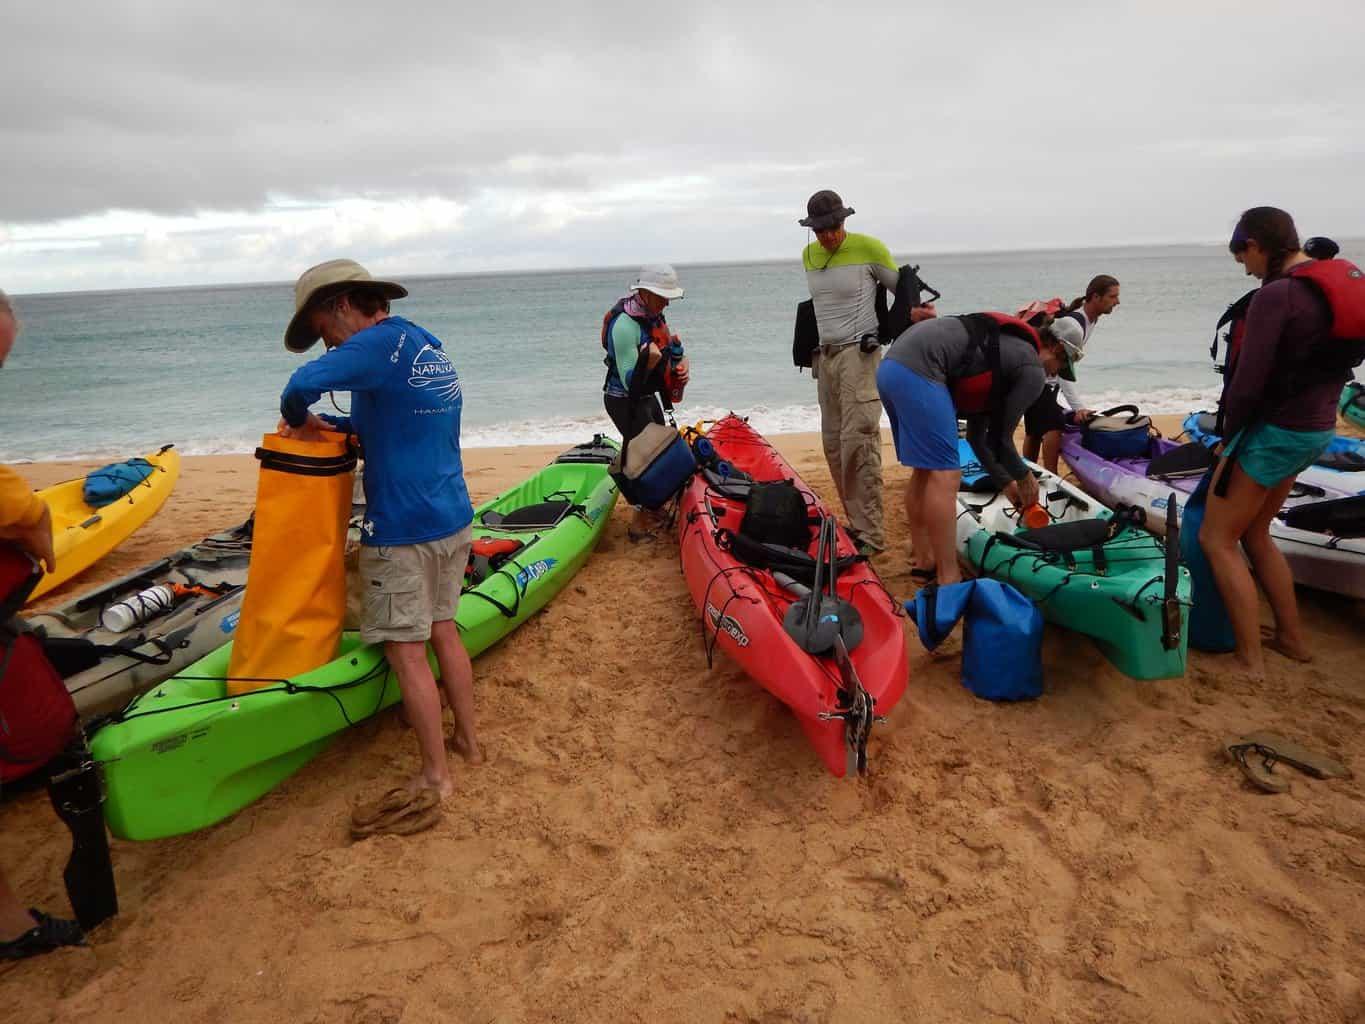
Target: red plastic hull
x: 752, y: 606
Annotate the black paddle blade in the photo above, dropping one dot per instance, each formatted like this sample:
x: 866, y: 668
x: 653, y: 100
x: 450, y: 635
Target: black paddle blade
x: 1171, y: 612
x: 74, y: 789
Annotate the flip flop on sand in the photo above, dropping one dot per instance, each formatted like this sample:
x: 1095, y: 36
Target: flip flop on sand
x: 421, y: 812
x: 1257, y: 753
x: 392, y: 801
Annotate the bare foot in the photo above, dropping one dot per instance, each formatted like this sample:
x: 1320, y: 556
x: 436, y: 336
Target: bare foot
x: 443, y: 787
x: 1294, y: 652
x: 471, y: 752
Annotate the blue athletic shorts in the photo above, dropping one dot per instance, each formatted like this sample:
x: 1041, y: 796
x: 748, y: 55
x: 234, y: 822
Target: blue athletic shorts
x: 923, y: 418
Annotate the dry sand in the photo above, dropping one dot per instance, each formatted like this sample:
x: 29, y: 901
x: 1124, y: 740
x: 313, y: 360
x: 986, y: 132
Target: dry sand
x: 654, y: 841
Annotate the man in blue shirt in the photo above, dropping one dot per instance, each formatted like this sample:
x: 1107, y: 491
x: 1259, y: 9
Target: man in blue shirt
x: 405, y: 408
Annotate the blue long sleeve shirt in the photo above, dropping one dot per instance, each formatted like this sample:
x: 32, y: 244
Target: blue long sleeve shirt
x: 405, y: 407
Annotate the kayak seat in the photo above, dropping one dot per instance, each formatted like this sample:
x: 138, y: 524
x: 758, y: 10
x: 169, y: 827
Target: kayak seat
x: 1342, y: 517
x: 540, y: 516
x: 1344, y: 460
x: 1061, y: 541
x: 1191, y: 459
x: 1078, y: 535
x: 597, y: 451
x: 797, y: 564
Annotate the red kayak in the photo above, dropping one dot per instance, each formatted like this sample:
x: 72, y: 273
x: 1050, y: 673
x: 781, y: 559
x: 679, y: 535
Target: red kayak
x: 745, y: 589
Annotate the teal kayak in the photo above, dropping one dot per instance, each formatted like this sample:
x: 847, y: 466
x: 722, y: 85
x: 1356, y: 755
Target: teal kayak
x: 1088, y: 571
x: 185, y: 755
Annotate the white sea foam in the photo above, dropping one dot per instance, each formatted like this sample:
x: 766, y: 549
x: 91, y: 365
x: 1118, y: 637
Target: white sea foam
x: 780, y: 419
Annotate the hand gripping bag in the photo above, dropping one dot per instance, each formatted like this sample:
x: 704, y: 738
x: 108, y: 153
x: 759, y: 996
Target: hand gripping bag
x: 1002, y: 642
x: 295, y: 599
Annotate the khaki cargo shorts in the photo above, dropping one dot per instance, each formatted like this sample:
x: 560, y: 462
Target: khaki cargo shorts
x: 408, y: 587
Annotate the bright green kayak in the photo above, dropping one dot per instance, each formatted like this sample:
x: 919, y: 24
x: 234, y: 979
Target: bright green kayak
x: 184, y: 756
x: 1087, y: 572
x: 1352, y: 404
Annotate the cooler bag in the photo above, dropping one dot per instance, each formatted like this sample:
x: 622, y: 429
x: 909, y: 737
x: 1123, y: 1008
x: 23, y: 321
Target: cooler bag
x: 653, y: 466
x: 1111, y: 436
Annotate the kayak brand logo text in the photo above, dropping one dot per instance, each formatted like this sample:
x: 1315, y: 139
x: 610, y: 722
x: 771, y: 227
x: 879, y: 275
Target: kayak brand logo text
x: 535, y: 571
x: 732, y: 628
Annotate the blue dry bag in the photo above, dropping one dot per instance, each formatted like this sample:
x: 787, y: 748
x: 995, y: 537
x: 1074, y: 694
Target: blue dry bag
x: 1210, y: 627
x: 1002, y: 643
x: 109, y: 483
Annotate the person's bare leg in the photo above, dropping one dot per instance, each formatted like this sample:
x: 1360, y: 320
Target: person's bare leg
x: 457, y: 679
x: 1032, y: 445
x: 1226, y: 521
x: 921, y: 548
x: 940, y: 519
x: 422, y: 702
x: 14, y: 916
x: 1276, y: 578
x: 1052, y: 450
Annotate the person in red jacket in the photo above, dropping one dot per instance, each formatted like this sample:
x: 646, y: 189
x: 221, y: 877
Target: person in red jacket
x: 25, y: 520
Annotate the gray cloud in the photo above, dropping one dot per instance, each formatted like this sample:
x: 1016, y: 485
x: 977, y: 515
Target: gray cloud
x: 558, y: 135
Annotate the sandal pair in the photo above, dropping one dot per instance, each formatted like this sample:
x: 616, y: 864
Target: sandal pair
x: 398, y: 812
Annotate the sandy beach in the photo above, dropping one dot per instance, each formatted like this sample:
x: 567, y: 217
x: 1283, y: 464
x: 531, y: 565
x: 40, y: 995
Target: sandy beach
x: 653, y: 841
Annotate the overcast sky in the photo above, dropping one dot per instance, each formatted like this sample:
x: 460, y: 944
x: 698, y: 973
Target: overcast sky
x: 146, y: 143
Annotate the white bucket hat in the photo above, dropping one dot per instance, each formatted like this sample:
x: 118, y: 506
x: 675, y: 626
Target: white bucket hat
x: 659, y: 278
x: 322, y: 282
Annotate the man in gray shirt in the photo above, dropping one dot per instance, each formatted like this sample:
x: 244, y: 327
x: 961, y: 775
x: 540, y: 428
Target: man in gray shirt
x: 842, y: 272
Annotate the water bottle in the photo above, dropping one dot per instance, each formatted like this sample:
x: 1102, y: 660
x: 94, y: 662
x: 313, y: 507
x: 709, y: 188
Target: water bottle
x: 126, y: 614
x: 673, y: 354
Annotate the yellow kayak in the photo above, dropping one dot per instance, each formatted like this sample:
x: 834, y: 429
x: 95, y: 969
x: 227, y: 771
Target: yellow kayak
x: 82, y: 535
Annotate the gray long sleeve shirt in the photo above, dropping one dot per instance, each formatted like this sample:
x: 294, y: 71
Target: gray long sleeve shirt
x: 936, y: 350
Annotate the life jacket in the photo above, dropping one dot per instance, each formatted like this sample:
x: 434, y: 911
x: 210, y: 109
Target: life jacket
x: 487, y: 555
x: 1234, y: 318
x: 1042, y: 307
x: 893, y: 318
x: 37, y: 715
x: 984, y: 392
x: 1341, y: 285
x: 653, y: 329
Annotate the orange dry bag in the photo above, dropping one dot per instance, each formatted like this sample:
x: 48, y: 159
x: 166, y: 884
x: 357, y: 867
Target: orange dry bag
x: 296, y: 582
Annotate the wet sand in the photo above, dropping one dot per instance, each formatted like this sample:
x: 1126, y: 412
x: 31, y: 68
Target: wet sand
x: 653, y: 841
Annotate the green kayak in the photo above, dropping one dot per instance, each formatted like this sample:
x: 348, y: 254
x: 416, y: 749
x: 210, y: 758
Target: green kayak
x: 1352, y: 404
x: 1088, y: 571
x: 184, y: 755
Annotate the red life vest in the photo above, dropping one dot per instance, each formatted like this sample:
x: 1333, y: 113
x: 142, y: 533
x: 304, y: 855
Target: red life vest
x: 37, y: 715
x: 977, y: 393
x: 1342, y: 286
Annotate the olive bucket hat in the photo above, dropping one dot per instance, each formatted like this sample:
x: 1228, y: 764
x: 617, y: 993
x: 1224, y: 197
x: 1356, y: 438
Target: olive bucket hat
x: 825, y: 210
x: 322, y: 282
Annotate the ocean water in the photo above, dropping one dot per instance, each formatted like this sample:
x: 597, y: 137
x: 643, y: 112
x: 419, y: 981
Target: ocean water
x: 100, y: 374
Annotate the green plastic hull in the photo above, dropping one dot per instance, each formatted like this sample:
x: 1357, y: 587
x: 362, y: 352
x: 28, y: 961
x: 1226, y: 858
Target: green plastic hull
x: 1119, y: 608
x: 185, y: 756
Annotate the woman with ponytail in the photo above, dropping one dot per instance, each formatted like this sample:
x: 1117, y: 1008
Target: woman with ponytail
x: 1280, y: 412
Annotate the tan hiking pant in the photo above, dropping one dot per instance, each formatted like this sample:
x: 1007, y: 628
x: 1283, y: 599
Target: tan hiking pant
x: 850, y: 431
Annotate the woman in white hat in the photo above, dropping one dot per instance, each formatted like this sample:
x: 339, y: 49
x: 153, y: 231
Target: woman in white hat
x: 641, y: 352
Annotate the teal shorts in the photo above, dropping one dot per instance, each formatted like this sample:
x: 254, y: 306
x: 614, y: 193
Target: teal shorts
x: 1268, y: 453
